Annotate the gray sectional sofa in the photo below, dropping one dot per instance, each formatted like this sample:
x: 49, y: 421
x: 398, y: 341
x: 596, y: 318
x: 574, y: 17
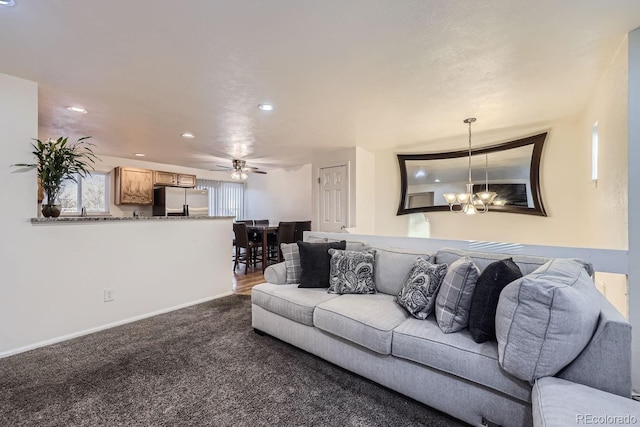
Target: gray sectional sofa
x: 372, y: 336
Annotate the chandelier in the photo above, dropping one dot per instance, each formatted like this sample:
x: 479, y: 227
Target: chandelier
x: 238, y: 173
x: 468, y: 202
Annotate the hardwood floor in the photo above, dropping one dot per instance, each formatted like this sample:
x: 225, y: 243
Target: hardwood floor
x: 242, y: 283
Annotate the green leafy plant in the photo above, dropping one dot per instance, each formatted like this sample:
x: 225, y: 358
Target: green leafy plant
x: 58, y: 160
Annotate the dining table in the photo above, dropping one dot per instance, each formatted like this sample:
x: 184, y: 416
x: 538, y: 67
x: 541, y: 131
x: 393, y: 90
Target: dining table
x: 265, y: 229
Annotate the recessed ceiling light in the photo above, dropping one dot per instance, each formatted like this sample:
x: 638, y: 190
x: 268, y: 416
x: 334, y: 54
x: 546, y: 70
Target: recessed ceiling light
x: 188, y: 135
x: 76, y: 109
x: 421, y: 174
x: 266, y: 107
x: 437, y: 180
x: 139, y: 154
x: 7, y: 3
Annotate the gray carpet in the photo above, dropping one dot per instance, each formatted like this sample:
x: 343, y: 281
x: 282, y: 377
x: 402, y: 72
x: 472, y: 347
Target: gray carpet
x: 199, y: 366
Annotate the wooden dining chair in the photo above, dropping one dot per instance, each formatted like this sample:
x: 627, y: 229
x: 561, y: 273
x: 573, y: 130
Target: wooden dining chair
x: 251, y: 253
x: 301, y: 227
x: 286, y: 234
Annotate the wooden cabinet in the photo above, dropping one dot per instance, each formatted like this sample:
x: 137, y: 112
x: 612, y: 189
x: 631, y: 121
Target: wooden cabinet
x: 133, y: 186
x: 186, y: 180
x: 174, y: 179
x: 165, y: 178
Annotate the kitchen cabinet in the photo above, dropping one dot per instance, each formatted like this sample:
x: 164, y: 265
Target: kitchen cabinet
x: 165, y: 178
x: 174, y: 179
x: 133, y: 186
x: 186, y: 180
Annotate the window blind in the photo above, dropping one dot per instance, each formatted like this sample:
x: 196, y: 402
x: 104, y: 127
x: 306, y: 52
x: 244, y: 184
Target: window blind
x: 225, y: 198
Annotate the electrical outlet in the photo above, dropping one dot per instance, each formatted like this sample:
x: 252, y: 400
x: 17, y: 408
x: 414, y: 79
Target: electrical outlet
x: 109, y: 295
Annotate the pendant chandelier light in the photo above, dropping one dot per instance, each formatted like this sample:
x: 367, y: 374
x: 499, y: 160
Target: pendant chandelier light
x: 468, y: 202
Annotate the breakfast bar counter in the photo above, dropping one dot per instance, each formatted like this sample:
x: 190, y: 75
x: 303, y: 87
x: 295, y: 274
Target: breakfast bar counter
x: 76, y: 219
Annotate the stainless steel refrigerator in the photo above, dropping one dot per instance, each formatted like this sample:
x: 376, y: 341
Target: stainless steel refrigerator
x: 176, y: 201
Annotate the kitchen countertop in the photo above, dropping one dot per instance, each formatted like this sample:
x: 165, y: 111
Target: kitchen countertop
x: 76, y: 219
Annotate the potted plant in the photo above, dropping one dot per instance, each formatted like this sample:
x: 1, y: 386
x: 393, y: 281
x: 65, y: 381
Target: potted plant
x: 58, y: 161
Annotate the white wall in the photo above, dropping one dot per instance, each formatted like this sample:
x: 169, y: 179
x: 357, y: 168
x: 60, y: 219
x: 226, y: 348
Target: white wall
x: 53, y: 276
x: 365, y: 192
x: 608, y: 197
x: 281, y: 195
x: 634, y: 200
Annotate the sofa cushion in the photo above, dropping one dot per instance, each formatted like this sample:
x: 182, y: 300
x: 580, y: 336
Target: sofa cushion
x: 367, y: 320
x: 482, y: 315
x: 557, y: 402
x: 418, y: 294
x: 392, y: 268
x: 314, y: 260
x: 455, y: 294
x: 351, y: 272
x: 290, y: 301
x: 526, y: 263
x: 545, y: 319
x: 423, y: 342
x: 291, y: 255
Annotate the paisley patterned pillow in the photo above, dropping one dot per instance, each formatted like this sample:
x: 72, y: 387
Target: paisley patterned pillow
x: 352, y: 272
x: 418, y: 295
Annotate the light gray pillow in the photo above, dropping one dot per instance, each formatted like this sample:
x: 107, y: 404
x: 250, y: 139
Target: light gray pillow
x: 393, y: 267
x: 351, y: 272
x: 455, y: 295
x: 545, y: 319
x: 291, y: 255
x: 418, y: 294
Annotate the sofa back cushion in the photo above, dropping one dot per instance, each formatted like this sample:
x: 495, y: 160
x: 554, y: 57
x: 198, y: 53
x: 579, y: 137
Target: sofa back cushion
x: 545, y: 319
x: 526, y: 263
x: 392, y: 267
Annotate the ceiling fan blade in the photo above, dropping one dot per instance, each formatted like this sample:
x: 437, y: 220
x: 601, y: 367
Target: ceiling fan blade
x: 260, y: 172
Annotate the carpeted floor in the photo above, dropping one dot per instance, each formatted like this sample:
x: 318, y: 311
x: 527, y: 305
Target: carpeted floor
x: 199, y: 366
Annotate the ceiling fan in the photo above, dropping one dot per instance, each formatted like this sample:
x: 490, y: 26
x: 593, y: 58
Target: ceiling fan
x: 239, y: 169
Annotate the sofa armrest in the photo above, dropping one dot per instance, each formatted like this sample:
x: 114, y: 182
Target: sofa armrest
x: 276, y: 274
x: 605, y: 363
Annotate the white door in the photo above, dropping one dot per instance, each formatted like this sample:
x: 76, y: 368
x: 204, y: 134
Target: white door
x: 333, y: 198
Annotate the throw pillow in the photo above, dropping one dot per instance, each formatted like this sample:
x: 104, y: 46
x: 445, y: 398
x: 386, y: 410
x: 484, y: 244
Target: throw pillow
x: 315, y: 263
x: 545, y: 319
x: 292, y: 262
x: 418, y: 294
x: 454, y: 298
x: 351, y: 272
x: 482, y: 315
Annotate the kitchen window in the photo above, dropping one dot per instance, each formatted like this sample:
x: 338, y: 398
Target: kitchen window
x: 90, y: 192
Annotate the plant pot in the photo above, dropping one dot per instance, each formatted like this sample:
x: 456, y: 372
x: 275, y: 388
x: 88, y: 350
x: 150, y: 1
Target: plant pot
x: 51, y: 211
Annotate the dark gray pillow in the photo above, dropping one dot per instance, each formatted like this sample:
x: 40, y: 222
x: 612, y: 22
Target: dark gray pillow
x: 482, y: 315
x: 418, y: 294
x: 352, y: 272
x: 315, y: 263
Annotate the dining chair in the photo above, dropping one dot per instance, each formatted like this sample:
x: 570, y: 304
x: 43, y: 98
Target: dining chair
x: 286, y: 234
x: 251, y: 253
x: 301, y: 227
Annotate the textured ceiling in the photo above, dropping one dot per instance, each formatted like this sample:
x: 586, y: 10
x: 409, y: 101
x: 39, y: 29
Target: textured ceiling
x: 341, y: 73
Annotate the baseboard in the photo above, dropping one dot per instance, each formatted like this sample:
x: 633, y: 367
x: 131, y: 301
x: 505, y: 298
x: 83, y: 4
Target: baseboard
x: 107, y: 326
